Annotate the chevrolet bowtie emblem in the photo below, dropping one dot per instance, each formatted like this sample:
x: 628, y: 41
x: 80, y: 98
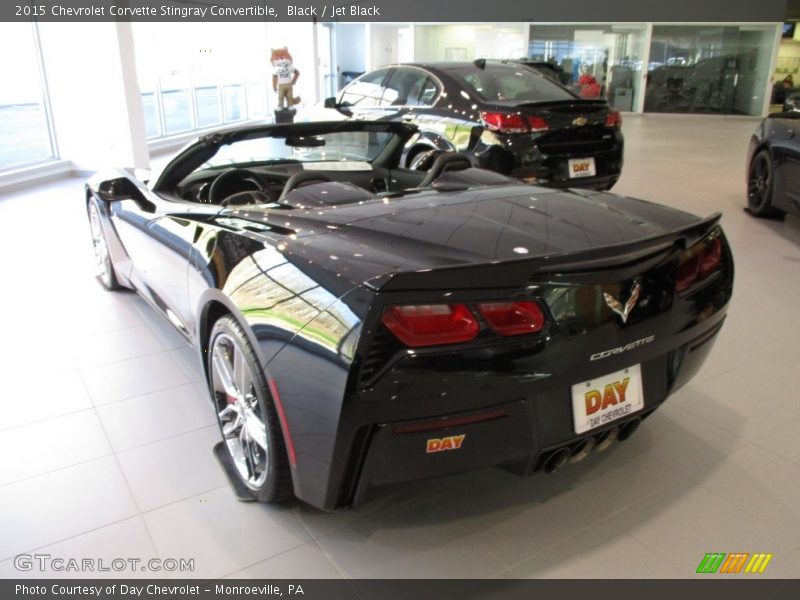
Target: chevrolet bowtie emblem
x: 616, y: 306
x: 580, y: 121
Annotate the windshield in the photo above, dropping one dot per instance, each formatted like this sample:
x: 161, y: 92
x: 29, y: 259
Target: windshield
x: 344, y: 146
x: 505, y: 82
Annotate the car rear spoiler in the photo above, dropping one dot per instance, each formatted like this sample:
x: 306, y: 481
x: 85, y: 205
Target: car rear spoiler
x: 624, y: 258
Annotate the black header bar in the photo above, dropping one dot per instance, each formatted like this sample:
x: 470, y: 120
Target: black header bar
x: 712, y: 588
x: 414, y: 11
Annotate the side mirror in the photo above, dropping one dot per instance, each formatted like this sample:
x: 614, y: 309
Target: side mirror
x: 114, y: 190
x: 342, y: 108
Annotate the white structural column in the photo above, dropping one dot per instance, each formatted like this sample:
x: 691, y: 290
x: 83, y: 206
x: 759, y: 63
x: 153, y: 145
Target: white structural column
x: 94, y: 94
x: 642, y: 87
x: 137, y: 139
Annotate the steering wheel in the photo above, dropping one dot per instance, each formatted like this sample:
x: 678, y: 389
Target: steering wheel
x: 218, y: 192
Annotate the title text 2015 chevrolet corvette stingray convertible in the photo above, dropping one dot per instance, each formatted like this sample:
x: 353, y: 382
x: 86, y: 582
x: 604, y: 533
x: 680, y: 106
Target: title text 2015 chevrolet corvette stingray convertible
x: 361, y: 323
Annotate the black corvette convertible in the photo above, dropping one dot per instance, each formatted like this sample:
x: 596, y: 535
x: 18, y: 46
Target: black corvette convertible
x: 362, y: 323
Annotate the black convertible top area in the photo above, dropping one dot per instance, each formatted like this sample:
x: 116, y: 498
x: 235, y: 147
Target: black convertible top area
x: 204, y: 148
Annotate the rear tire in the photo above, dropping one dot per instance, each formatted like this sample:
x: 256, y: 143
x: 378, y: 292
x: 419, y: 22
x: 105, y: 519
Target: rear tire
x: 105, y: 267
x: 760, y: 185
x: 246, y: 413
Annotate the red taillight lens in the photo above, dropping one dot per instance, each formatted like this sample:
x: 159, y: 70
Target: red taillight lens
x: 513, y: 318
x: 710, y: 258
x: 614, y: 119
x: 504, y: 122
x: 512, y: 122
x: 537, y: 124
x: 687, y: 274
x: 418, y: 325
x: 699, y: 262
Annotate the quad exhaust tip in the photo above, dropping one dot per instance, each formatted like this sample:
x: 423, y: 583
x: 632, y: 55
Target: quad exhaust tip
x: 576, y: 453
x: 556, y: 460
x: 582, y: 450
x: 606, y: 439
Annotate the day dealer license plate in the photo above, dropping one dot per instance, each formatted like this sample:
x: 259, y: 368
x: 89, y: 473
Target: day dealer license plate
x: 606, y: 399
x: 581, y: 167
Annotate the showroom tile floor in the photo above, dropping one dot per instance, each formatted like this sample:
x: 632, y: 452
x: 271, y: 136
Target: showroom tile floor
x: 106, y: 434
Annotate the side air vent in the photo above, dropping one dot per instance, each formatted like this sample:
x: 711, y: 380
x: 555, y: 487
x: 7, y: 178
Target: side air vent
x: 384, y: 346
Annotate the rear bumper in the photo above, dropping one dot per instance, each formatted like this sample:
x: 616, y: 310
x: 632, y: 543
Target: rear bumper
x: 521, y: 428
x: 553, y: 169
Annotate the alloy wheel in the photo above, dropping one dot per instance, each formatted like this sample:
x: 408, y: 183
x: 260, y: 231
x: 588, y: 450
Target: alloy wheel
x: 758, y: 184
x: 101, y: 255
x: 239, y: 411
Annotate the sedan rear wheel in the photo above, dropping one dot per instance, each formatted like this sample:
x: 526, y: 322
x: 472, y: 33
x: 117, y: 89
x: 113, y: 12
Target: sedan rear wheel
x: 246, y: 414
x: 760, y: 183
x: 105, y: 268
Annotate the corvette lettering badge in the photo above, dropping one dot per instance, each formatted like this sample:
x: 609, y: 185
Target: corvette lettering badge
x: 624, y: 311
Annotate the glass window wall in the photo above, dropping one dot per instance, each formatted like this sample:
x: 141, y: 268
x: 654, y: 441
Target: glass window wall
x: 198, y: 75
x: 25, y: 135
x: 594, y: 60
x: 722, y: 69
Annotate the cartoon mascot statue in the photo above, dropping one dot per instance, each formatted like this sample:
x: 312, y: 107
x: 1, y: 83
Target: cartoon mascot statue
x: 284, y: 76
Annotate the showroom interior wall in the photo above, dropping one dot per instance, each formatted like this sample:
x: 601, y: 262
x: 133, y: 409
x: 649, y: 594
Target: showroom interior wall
x: 349, y: 45
x: 90, y: 103
x: 96, y: 110
x: 112, y: 107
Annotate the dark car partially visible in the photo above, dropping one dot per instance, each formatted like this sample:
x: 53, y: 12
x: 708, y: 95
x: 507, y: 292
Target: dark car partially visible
x: 773, y: 166
x: 513, y: 119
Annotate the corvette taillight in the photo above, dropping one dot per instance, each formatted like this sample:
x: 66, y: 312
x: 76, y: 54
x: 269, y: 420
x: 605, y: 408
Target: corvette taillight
x: 699, y: 262
x: 513, y: 122
x: 710, y: 258
x: 512, y: 318
x: 613, y: 119
x: 687, y: 274
x: 419, y: 325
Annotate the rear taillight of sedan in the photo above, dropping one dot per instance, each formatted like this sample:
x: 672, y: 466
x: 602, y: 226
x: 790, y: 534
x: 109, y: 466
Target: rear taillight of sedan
x: 422, y: 325
x: 699, y: 262
x: 614, y: 119
x: 502, y: 122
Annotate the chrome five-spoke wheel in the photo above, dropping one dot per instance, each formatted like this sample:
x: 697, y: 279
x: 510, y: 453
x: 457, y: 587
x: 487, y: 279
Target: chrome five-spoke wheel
x: 239, y: 412
x: 246, y: 413
x: 104, y: 267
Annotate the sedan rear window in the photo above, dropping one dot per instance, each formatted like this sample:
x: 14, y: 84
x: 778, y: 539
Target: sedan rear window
x: 504, y: 83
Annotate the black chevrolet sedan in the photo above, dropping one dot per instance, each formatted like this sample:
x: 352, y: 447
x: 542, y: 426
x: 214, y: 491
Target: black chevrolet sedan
x: 361, y: 323
x: 515, y: 120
